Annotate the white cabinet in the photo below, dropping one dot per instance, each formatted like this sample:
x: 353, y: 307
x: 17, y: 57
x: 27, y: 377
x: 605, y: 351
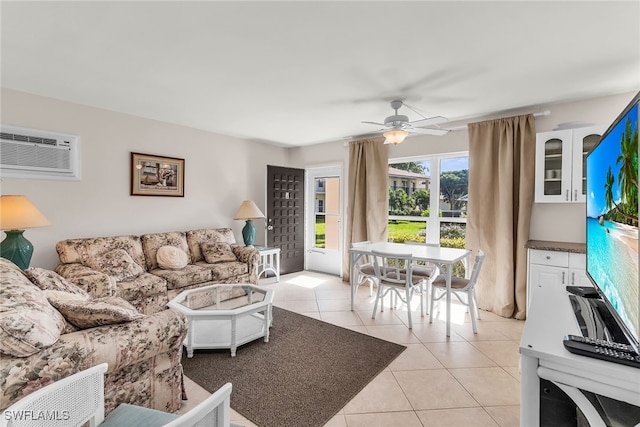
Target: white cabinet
x: 560, y: 164
x: 555, y: 268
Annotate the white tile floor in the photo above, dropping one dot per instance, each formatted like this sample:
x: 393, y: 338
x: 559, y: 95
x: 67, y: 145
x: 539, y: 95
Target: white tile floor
x: 465, y: 380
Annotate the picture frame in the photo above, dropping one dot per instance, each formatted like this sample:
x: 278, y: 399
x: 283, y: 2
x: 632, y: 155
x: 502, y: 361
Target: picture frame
x: 153, y: 175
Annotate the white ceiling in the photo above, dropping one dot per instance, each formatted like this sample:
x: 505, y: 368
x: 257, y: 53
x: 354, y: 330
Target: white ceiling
x: 298, y: 72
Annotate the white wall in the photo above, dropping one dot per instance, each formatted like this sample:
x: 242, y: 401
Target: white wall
x: 220, y: 172
x: 550, y: 221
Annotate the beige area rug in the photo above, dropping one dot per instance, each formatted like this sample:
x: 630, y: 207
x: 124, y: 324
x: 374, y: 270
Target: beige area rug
x: 303, y: 376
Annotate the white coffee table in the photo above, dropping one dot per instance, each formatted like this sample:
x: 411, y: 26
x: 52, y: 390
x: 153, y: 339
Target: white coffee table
x: 224, y: 316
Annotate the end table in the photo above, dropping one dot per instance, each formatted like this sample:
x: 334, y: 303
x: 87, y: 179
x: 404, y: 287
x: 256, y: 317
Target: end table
x: 269, y: 261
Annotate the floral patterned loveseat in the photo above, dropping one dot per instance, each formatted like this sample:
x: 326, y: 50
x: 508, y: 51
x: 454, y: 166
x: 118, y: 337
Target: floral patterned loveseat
x: 129, y: 267
x: 40, y: 343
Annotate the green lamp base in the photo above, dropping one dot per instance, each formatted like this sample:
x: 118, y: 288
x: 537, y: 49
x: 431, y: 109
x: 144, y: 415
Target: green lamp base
x: 16, y: 248
x: 249, y: 233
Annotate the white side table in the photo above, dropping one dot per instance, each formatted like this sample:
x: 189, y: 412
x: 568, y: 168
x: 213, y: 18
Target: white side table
x: 269, y: 261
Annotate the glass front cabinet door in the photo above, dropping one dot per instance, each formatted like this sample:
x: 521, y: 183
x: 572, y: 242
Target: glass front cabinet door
x: 560, y: 161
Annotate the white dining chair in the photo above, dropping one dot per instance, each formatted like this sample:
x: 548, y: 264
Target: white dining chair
x: 394, y: 274
x: 364, y: 269
x: 428, y: 270
x: 460, y: 286
x: 79, y: 399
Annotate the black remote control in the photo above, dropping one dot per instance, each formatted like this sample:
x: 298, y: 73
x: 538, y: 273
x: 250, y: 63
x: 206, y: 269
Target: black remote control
x: 583, y: 291
x: 603, y: 350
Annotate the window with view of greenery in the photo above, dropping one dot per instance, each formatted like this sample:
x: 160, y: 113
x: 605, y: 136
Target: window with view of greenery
x: 431, y: 204
x: 440, y: 181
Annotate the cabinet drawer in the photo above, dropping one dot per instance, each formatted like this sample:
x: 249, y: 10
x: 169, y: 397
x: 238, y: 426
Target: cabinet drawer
x: 578, y: 261
x: 558, y: 259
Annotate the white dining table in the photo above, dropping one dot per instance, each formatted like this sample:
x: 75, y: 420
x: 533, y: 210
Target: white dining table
x: 444, y: 258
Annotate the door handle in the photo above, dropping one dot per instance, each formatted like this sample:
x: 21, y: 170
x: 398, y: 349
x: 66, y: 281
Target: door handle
x: 269, y: 227
x: 316, y: 251
x: 563, y: 277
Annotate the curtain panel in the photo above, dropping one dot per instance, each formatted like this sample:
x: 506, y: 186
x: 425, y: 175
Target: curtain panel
x: 368, y: 194
x: 501, y: 187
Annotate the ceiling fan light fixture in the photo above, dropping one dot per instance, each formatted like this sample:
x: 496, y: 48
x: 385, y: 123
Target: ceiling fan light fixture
x: 395, y: 136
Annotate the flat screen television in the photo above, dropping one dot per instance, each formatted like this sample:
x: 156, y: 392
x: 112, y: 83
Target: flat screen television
x: 612, y: 221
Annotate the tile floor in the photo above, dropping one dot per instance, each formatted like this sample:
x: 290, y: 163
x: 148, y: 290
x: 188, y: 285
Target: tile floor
x: 464, y: 380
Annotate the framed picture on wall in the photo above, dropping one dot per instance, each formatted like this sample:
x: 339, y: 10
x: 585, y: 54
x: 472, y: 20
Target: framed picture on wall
x: 156, y: 175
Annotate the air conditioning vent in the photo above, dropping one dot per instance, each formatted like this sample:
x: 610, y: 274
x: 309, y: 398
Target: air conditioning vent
x: 31, y: 153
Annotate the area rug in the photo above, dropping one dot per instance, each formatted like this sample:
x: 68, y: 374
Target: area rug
x: 303, y: 376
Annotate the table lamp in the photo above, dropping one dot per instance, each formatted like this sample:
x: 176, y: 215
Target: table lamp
x: 16, y: 214
x: 249, y: 211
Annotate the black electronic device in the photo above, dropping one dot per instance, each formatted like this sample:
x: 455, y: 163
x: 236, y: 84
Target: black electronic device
x: 584, y: 291
x: 603, y: 350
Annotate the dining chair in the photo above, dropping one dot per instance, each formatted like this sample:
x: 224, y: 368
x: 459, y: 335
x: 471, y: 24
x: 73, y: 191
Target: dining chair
x: 79, y: 400
x: 394, y: 273
x: 460, y: 285
x: 428, y: 270
x: 364, y: 269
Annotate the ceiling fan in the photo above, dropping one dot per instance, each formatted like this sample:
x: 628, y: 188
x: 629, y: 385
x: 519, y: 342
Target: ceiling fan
x: 397, y: 127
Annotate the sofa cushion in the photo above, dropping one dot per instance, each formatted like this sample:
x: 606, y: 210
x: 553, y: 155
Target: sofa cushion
x: 47, y: 279
x: 190, y: 275
x: 95, y: 283
x: 152, y: 242
x: 81, y: 250
x: 172, y: 258
x: 116, y: 263
x: 89, y: 313
x: 225, y: 270
x: 215, y: 252
x: 144, y: 285
x: 196, y: 237
x: 28, y: 323
x: 151, y: 304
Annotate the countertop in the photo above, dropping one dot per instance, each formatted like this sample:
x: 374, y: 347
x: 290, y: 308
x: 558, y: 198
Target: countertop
x: 544, y: 245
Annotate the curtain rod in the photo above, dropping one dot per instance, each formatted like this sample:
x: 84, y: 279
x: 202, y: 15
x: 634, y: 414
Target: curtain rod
x: 540, y: 114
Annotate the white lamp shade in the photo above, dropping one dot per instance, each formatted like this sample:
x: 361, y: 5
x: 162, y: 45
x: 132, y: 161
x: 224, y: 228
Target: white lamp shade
x: 249, y: 210
x: 17, y: 213
x: 395, y: 136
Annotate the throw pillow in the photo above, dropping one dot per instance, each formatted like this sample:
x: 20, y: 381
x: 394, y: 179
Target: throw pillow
x: 95, y: 312
x: 215, y: 252
x: 171, y: 258
x: 116, y: 263
x: 28, y: 323
x: 50, y: 280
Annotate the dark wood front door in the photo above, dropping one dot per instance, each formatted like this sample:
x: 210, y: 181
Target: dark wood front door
x: 285, y: 216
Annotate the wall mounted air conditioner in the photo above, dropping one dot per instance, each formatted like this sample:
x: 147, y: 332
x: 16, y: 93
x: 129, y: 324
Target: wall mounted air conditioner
x: 37, y: 154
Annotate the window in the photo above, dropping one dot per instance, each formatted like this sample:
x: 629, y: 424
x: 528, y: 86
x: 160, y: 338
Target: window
x: 443, y: 183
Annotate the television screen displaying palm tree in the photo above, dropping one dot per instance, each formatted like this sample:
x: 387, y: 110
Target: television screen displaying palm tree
x: 612, y: 219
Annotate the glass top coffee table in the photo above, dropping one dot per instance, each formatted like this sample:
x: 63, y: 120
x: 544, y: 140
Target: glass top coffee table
x: 224, y: 316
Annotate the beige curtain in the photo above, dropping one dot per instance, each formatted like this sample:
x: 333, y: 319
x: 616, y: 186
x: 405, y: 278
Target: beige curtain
x: 368, y: 194
x: 501, y: 180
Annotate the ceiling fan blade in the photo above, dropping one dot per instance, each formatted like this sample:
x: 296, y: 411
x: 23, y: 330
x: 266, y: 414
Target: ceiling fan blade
x: 429, y: 122
x: 374, y: 123
x: 429, y: 131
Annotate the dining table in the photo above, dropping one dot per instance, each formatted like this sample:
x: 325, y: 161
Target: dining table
x: 443, y: 258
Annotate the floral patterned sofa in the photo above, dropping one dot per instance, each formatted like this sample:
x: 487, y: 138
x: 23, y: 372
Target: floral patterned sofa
x: 40, y: 343
x: 129, y: 267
